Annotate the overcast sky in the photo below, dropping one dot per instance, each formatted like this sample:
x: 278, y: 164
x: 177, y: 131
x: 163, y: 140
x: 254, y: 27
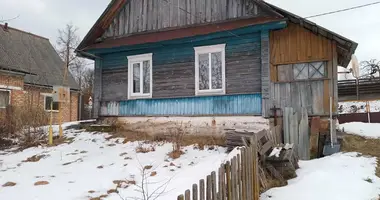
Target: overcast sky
x: 45, y: 17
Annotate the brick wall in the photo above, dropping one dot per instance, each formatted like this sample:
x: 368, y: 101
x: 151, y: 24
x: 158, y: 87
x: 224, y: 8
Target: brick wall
x: 22, y: 94
x: 68, y: 111
x: 11, y: 81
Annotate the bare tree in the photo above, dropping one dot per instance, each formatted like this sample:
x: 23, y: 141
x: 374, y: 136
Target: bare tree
x: 371, y: 68
x: 67, y: 41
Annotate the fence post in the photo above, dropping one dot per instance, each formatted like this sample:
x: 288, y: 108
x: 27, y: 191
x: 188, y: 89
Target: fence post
x: 187, y: 195
x: 195, y: 192
x: 256, y: 183
x: 208, y: 187
x: 202, y: 189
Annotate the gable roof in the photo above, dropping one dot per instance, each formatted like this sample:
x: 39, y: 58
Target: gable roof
x: 114, y: 8
x: 32, y: 55
x: 345, y: 47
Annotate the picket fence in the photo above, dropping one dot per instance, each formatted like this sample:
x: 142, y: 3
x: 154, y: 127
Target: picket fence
x: 236, y: 179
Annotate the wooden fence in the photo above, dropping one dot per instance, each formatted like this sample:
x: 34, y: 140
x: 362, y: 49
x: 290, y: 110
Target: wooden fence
x: 236, y: 179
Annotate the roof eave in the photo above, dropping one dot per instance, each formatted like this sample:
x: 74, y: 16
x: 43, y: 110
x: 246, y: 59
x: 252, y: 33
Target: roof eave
x: 344, y: 43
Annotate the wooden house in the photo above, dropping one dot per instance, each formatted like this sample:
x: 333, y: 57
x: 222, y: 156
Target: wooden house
x: 211, y: 58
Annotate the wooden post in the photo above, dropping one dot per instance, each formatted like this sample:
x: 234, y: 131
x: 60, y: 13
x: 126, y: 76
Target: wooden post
x: 51, y: 124
x: 60, y: 120
x: 208, y: 187
x: 202, y: 189
x: 255, y: 171
x: 228, y: 180
x: 213, y: 186
x: 195, y: 192
x: 180, y: 197
x: 187, y: 195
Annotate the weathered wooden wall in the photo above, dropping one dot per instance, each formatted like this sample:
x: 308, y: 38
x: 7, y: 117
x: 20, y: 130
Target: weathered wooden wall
x: 151, y: 15
x: 295, y: 44
x: 174, y: 69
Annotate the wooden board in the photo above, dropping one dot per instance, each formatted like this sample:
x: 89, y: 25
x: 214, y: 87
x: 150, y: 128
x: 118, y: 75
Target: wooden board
x: 314, y: 136
x: 304, y: 138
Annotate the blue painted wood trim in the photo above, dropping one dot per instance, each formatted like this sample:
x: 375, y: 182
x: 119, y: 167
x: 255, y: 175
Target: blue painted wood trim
x: 247, y: 104
x: 236, y: 33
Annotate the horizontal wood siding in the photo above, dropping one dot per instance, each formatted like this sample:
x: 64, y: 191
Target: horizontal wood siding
x: 115, y: 85
x: 249, y: 104
x: 151, y: 15
x: 174, y: 68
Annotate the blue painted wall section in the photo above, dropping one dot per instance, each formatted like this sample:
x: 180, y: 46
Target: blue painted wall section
x: 248, y: 104
x: 243, y: 41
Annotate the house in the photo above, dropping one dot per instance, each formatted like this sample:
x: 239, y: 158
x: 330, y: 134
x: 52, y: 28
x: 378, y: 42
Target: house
x: 29, y: 68
x: 221, y: 63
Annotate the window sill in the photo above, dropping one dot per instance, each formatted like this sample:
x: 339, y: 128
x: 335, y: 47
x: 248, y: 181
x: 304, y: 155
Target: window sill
x: 53, y: 111
x: 210, y: 93
x: 140, y: 97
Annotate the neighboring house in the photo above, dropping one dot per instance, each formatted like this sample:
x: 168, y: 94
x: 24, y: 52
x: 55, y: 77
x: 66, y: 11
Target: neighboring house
x: 207, y: 58
x: 29, y: 68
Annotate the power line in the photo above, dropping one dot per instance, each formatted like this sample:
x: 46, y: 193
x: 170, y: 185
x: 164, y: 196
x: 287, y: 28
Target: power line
x: 343, y: 10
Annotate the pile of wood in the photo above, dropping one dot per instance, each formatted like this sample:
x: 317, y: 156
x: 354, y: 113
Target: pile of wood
x: 277, y: 163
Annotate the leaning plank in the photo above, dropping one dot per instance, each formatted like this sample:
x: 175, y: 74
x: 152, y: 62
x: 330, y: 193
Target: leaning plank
x: 286, y: 125
x: 304, y: 141
x: 314, y: 136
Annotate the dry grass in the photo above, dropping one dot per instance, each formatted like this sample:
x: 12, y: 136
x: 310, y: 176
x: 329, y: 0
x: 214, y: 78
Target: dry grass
x: 175, y: 154
x: 41, y: 183
x: 9, y: 184
x: 371, y: 147
x: 34, y: 158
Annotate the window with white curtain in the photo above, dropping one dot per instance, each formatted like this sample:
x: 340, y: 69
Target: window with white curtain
x: 210, y: 70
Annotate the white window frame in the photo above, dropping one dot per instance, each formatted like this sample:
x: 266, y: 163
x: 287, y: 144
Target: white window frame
x: 9, y: 99
x: 210, y: 49
x: 139, y: 59
x: 48, y: 95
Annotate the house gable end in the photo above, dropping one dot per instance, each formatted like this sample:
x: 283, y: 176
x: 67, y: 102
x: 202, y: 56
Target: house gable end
x: 126, y: 17
x: 138, y: 16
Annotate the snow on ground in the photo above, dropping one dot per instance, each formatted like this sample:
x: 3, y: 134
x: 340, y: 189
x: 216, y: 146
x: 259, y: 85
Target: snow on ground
x: 89, y: 166
x: 370, y: 130
x: 347, y: 107
x: 345, y: 176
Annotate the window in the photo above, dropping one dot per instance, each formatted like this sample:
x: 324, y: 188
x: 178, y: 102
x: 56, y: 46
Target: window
x: 5, y: 98
x: 301, y: 71
x: 48, y: 101
x: 140, y: 76
x: 210, y: 70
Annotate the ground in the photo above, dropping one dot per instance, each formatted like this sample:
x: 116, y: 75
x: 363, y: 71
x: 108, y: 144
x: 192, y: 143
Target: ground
x: 358, y: 107
x: 92, y: 165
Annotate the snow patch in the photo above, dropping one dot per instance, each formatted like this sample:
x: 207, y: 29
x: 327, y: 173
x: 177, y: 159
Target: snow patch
x: 340, y: 176
x: 369, y: 130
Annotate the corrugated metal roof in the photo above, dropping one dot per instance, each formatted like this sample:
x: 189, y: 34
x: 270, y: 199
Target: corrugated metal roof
x: 34, y: 55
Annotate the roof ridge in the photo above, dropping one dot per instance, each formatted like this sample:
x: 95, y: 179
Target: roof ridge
x: 29, y: 33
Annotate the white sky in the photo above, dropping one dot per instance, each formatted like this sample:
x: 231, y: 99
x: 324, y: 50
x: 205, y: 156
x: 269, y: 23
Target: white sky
x: 45, y: 17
